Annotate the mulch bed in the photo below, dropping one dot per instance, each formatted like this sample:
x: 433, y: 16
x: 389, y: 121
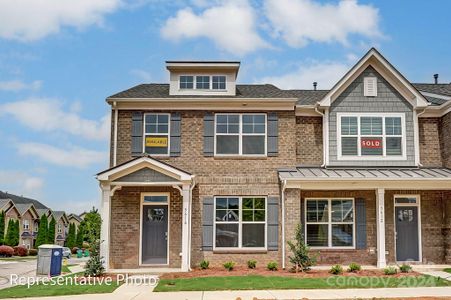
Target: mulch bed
x: 242, y: 271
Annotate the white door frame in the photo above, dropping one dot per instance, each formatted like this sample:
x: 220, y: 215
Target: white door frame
x: 418, y: 205
x: 141, y: 206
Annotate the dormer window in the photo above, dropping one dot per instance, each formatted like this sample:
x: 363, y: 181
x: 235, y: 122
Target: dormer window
x: 203, y: 82
x: 186, y: 82
x: 219, y: 83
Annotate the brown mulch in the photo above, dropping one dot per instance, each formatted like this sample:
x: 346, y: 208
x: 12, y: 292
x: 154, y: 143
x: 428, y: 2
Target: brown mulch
x: 242, y: 271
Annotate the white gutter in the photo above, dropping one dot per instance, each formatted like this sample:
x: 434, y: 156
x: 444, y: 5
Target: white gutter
x: 325, y: 131
x: 190, y: 221
x: 115, y: 134
x: 284, y: 183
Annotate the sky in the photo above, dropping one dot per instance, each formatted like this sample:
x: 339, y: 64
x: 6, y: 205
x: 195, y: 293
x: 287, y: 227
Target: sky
x: 60, y: 59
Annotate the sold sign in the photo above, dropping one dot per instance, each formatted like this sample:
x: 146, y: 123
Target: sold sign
x: 371, y: 143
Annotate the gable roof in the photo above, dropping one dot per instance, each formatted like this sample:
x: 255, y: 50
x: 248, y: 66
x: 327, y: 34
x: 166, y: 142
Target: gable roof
x: 58, y: 214
x: 434, y: 88
x: 22, y: 208
x: 74, y: 216
x: 21, y: 200
x: 4, y: 203
x: 43, y: 211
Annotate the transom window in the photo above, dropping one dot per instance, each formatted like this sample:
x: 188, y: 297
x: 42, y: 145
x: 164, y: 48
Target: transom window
x: 240, y: 222
x: 240, y: 134
x: 371, y: 135
x: 202, y: 82
x: 156, y: 134
x: 329, y: 222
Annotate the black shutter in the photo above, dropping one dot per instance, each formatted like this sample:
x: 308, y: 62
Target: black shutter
x: 137, y: 133
x: 303, y: 219
x: 209, y: 134
x: 273, y: 223
x: 360, y: 223
x: 207, y: 224
x: 175, y: 142
x: 273, y: 134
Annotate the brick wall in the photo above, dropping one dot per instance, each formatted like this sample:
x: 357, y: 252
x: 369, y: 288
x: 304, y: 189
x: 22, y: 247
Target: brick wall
x: 309, y: 140
x: 445, y: 139
x: 430, y: 150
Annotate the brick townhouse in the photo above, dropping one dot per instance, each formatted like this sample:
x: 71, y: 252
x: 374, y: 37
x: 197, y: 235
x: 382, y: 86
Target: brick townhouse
x: 205, y: 168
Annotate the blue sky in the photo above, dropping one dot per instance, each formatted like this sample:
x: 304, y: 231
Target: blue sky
x: 59, y: 60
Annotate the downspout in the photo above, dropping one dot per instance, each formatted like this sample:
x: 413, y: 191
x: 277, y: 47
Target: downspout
x: 324, y: 134
x: 417, y: 135
x: 190, y: 209
x: 284, y: 184
x: 115, y: 134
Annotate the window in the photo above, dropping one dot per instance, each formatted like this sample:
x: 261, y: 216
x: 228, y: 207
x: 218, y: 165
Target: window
x: 26, y: 224
x: 219, y: 83
x: 203, y: 82
x: 371, y: 135
x: 36, y: 226
x: 329, y: 222
x: 240, y: 222
x: 240, y: 134
x: 156, y: 134
x: 186, y: 82
x: 60, y: 228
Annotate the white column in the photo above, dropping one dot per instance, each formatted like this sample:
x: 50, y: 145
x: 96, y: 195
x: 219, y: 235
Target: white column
x: 105, y: 207
x: 380, y: 226
x: 186, y: 220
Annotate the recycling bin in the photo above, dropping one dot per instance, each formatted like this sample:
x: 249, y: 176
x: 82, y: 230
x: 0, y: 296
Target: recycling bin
x: 50, y: 259
x: 79, y: 253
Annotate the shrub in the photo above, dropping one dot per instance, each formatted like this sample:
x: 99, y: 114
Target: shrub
x: 204, y: 264
x: 251, y: 264
x: 20, y: 251
x: 33, y: 252
x: 6, y: 251
x: 272, y: 266
x: 336, y: 270
x: 94, y: 266
x: 390, y: 271
x: 354, y: 267
x: 302, y: 260
x: 74, y: 250
x: 405, y: 268
x: 229, y: 265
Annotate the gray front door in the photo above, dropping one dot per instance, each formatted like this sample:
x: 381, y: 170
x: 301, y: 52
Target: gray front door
x: 407, y: 244
x: 155, y: 235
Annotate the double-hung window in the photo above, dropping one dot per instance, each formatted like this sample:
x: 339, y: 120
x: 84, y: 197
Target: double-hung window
x: 371, y: 135
x: 26, y: 224
x: 240, y: 222
x: 156, y: 133
x: 240, y: 134
x: 329, y: 222
x: 60, y: 228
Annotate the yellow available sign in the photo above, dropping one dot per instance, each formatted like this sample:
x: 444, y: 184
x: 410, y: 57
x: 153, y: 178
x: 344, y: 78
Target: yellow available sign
x: 156, y: 141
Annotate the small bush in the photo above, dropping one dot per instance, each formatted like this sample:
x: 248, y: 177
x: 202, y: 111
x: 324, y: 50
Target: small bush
x: 390, y: 271
x: 229, y: 265
x: 6, y: 251
x: 33, y: 252
x: 204, y: 264
x: 405, y: 268
x: 251, y: 264
x: 74, y: 250
x: 20, y: 251
x: 354, y: 267
x: 336, y: 270
x: 272, y: 266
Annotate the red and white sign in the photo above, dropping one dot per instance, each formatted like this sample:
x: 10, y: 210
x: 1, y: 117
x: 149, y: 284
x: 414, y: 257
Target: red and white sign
x: 371, y: 143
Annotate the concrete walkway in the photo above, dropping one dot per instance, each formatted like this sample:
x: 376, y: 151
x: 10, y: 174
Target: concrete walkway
x: 441, y: 274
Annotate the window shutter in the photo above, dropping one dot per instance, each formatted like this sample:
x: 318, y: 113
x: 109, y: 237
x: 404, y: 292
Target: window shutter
x: 370, y: 86
x: 137, y: 133
x: 209, y: 134
x: 207, y: 224
x: 273, y: 223
x: 175, y: 142
x: 273, y: 134
x: 303, y: 219
x: 360, y: 223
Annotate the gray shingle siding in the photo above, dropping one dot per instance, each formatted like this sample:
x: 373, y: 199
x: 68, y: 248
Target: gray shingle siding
x: 387, y: 100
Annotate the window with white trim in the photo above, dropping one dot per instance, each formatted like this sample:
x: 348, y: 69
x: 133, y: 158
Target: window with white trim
x: 202, y: 82
x: 329, y: 223
x: 240, y: 134
x: 26, y: 224
x: 60, y: 228
x: 219, y: 82
x: 240, y: 222
x: 186, y: 82
x: 156, y: 133
x: 369, y: 135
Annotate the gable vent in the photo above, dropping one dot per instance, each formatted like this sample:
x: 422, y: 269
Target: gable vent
x: 370, y: 86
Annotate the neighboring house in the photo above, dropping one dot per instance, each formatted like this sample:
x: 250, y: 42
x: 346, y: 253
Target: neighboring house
x: 82, y: 215
x: 75, y: 219
x: 27, y: 217
x: 6, y: 204
x: 41, y: 212
x: 61, y: 223
x: 204, y: 168
x: 11, y: 212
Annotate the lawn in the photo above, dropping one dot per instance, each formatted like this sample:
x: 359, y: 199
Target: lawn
x: 18, y: 258
x: 448, y: 270
x: 41, y: 290
x: 258, y: 282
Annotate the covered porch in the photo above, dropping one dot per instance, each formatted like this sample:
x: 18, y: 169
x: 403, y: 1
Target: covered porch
x: 146, y: 216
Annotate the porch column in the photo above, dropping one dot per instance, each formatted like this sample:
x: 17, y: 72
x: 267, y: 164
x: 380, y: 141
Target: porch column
x: 186, y: 220
x: 105, y: 207
x: 380, y: 226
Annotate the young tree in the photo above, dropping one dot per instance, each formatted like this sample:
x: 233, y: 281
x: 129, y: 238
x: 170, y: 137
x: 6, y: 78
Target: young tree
x: 51, y: 232
x: 10, y: 238
x: 92, y: 225
x: 2, y: 227
x: 80, y: 235
x: 42, y: 231
x: 301, y: 259
x: 94, y: 266
x: 93, y: 222
x: 16, y: 233
x: 70, y: 241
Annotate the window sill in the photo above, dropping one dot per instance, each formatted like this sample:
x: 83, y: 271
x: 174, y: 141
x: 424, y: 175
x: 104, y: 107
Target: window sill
x: 240, y: 157
x: 239, y: 251
x: 337, y: 249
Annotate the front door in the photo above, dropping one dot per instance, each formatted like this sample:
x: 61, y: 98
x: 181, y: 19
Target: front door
x: 407, y: 244
x: 154, y: 249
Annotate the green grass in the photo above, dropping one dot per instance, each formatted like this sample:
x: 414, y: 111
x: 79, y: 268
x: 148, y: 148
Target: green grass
x: 18, y: 258
x: 65, y: 268
x: 22, y: 291
x: 448, y: 270
x: 257, y: 282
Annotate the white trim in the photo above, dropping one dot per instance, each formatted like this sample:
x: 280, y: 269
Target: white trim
x: 416, y: 204
x: 384, y: 136
x: 116, y: 113
x: 194, y: 75
x: 240, y: 222
x: 141, y: 206
x: 240, y: 135
x: 26, y: 224
x: 380, y: 227
x: 329, y: 223
x: 168, y: 135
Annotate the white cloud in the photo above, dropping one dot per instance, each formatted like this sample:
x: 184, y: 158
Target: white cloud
x: 72, y: 157
x: 326, y: 74
x: 300, y: 22
x: 26, y: 20
x: 18, y: 85
x: 21, y: 183
x: 231, y: 25
x: 48, y: 115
